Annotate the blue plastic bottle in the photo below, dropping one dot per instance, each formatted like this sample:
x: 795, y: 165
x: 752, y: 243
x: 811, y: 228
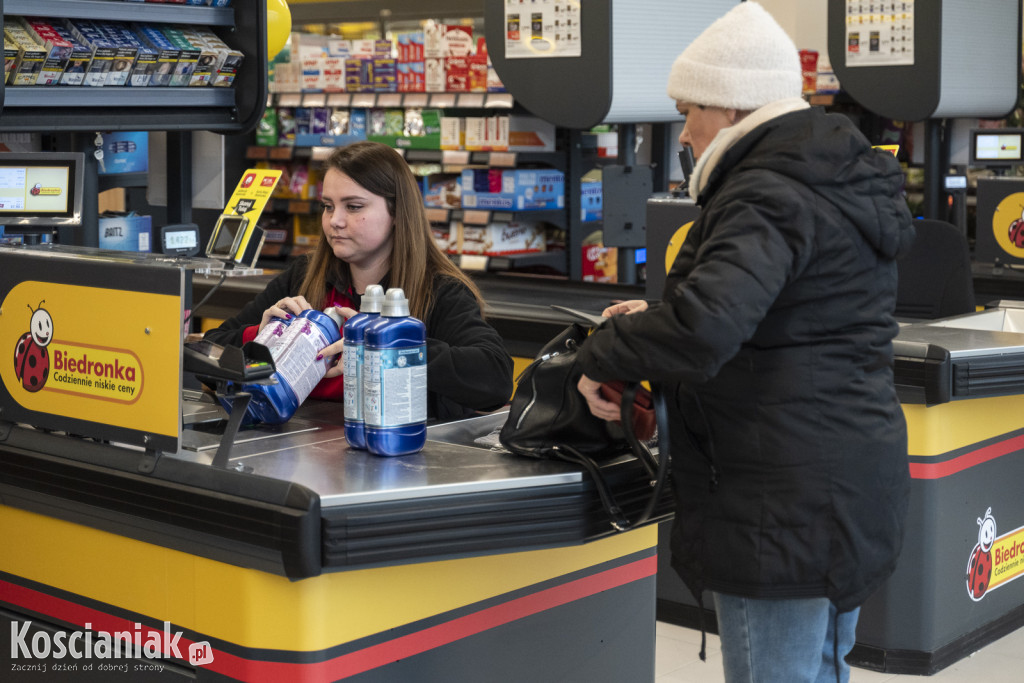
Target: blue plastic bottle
x: 395, y: 379
x: 369, y: 311
x: 272, y: 335
x: 297, y: 370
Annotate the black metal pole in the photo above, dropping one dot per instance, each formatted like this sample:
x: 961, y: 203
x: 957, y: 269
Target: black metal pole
x: 179, y: 177
x: 627, y: 157
x: 936, y: 164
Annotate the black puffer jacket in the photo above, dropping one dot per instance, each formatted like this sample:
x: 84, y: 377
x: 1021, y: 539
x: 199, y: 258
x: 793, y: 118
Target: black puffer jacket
x: 774, y: 340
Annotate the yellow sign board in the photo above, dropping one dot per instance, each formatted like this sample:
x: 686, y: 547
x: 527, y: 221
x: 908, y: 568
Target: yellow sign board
x: 249, y: 199
x: 91, y: 354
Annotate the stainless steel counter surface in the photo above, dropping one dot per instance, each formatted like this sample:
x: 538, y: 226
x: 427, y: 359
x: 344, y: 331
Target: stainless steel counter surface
x: 311, y: 450
x: 986, y: 333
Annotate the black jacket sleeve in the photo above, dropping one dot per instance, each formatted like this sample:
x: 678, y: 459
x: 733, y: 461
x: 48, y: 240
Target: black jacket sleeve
x: 468, y: 367
x: 285, y: 284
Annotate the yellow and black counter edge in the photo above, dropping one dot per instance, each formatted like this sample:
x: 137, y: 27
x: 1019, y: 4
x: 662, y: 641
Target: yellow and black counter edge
x: 254, y: 566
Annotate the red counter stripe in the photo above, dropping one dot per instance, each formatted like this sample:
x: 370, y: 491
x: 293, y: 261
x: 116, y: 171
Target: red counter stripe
x: 920, y: 470
x: 362, y: 660
x: 79, y: 615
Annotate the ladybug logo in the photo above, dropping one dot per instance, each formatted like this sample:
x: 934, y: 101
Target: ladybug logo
x: 979, y: 567
x: 1016, y: 232
x: 31, y: 358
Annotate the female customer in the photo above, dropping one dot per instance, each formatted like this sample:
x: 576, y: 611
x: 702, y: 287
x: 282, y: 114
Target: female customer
x: 773, y: 341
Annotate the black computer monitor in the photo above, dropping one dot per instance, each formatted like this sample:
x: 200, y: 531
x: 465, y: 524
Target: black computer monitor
x: 41, y: 189
x: 997, y: 147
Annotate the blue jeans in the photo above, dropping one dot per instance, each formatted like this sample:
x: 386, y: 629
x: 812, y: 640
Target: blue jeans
x: 784, y: 641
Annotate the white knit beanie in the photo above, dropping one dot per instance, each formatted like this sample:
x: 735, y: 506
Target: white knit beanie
x: 744, y: 60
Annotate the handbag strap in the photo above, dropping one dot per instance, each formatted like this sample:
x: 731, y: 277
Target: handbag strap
x: 611, y: 506
x: 657, y: 468
x: 627, y: 408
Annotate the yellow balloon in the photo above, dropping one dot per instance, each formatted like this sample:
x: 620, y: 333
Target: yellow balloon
x: 279, y: 26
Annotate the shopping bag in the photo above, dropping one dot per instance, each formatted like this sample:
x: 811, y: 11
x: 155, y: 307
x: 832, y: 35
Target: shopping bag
x: 549, y: 418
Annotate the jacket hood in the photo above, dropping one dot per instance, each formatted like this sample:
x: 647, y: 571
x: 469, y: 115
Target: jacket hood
x: 826, y: 153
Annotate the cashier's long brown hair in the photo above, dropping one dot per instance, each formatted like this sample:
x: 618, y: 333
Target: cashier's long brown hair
x: 415, y: 258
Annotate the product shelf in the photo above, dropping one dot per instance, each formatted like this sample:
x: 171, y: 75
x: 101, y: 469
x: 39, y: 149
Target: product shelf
x: 235, y: 109
x: 396, y: 100
x: 119, y: 11
x: 555, y: 217
x: 554, y: 261
x: 122, y: 97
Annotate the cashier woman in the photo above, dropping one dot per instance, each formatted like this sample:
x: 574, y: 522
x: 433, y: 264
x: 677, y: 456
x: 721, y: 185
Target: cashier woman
x: 774, y: 345
x: 376, y: 232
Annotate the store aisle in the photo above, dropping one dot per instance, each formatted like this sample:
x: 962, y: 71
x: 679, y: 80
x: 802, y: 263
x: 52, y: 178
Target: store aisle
x: 676, y: 661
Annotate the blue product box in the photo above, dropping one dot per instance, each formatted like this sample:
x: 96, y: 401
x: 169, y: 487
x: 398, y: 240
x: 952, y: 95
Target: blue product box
x: 125, y: 153
x: 126, y: 233
x: 357, y: 123
x: 591, y: 201
x: 521, y: 190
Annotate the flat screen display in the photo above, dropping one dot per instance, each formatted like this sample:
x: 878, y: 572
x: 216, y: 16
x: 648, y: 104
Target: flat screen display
x: 999, y: 147
x: 224, y: 241
x: 42, y: 188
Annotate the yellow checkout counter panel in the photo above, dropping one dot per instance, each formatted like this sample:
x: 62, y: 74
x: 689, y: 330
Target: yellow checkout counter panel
x: 138, y: 547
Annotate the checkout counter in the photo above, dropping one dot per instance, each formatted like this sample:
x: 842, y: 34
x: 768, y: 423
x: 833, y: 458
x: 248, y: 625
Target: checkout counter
x: 298, y: 559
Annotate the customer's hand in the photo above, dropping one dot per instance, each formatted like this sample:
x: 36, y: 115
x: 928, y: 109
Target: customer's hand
x: 606, y: 410
x: 286, y: 308
x: 625, y: 307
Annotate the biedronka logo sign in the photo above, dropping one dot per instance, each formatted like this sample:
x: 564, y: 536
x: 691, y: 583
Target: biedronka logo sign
x: 42, y: 651
x: 43, y: 362
x: 995, y: 560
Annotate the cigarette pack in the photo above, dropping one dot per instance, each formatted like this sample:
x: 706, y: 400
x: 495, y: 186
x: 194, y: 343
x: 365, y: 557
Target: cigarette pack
x: 58, y: 50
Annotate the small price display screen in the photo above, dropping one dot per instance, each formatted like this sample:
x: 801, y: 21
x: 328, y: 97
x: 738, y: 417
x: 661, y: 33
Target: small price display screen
x: 182, y: 240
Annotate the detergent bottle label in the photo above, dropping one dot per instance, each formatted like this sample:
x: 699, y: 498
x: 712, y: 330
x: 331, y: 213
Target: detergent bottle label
x: 297, y: 363
x: 403, y: 385
x: 352, y: 360
x: 371, y: 387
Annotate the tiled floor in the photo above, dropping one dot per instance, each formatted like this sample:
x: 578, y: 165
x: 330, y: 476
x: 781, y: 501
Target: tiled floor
x: 676, y: 661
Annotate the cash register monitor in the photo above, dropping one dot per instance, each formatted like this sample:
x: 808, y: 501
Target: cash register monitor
x: 41, y: 189
x: 995, y: 147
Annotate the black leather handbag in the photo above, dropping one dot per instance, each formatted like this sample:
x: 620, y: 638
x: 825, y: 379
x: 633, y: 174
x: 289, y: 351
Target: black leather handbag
x: 549, y: 418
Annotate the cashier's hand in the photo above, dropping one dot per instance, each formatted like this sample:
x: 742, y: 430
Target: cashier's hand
x: 606, y: 410
x: 625, y: 307
x: 287, y: 308
x: 335, y: 349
